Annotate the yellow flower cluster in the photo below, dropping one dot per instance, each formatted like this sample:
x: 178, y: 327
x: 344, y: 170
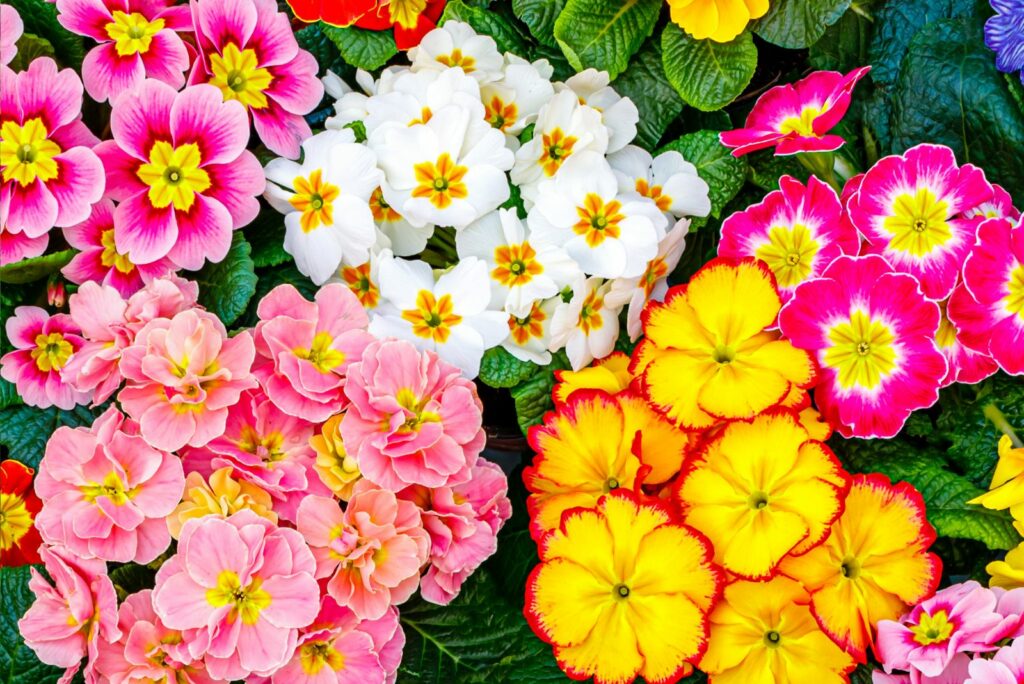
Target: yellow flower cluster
x: 1006, y: 492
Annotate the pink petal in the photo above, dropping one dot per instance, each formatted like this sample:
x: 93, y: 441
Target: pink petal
x: 78, y: 185
x: 167, y: 59
x: 219, y: 22
x: 295, y: 86
x: 121, y: 170
x: 272, y: 38
x: 143, y: 232
x: 107, y: 74
x: 33, y: 209
x: 142, y: 116
x: 204, y: 232
x: 85, y: 17
x: 236, y: 186
x: 280, y: 131
x: 200, y: 115
x: 43, y: 92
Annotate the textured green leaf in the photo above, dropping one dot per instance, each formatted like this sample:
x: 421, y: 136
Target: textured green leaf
x: 8, y: 394
x: 845, y: 44
x: 265, y: 236
x: 799, y: 23
x: 24, y: 430
x: 646, y: 84
x: 29, y: 270
x: 724, y: 173
x: 226, y: 287
x: 539, y: 16
x: 488, y: 22
x: 40, y: 18
x: 533, y: 397
x: 706, y: 74
x: 604, y: 35
x: 362, y: 48
x: 18, y: 663
x: 500, y: 369
x: 766, y: 169
x: 31, y: 47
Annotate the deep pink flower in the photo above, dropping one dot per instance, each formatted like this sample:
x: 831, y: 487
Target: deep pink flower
x: 872, y: 332
x: 179, y: 168
x: 797, y: 230
x: 137, y: 40
x: 11, y: 28
x: 1000, y: 206
x: 371, y: 551
x: 43, y: 344
x: 912, y: 208
x: 414, y: 419
x: 239, y: 588
x: 98, y: 258
x: 247, y: 49
x: 989, y: 310
x: 966, y: 365
x: 17, y: 246
x: 50, y: 175
x: 306, y: 348
x: 183, y: 374
x: 797, y: 117
x: 1006, y: 667
x: 70, y: 617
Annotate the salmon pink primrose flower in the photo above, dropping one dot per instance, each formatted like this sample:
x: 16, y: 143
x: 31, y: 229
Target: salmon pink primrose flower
x: 11, y: 28
x: 19, y: 506
x: 221, y: 495
x: 43, y: 345
x: 872, y: 332
x: 797, y: 117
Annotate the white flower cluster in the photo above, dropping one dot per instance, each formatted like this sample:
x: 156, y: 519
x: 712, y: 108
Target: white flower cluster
x: 604, y: 220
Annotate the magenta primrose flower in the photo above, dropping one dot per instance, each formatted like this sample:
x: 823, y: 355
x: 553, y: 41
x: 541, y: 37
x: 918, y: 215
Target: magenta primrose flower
x: 17, y: 246
x: 797, y: 117
x: 179, y: 168
x: 43, y: 344
x: 137, y: 39
x: 966, y: 365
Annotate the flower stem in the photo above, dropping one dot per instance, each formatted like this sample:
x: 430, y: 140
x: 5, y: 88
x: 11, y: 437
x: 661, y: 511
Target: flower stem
x: 822, y: 165
x: 998, y: 419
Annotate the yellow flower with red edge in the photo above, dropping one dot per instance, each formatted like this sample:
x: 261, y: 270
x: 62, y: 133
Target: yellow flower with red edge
x: 610, y: 374
x: 623, y: 591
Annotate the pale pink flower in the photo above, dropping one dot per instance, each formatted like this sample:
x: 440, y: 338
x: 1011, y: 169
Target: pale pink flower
x: 106, y: 492
x: 17, y: 246
x: 372, y: 551
x: 306, y: 348
x: 1006, y: 667
x: 239, y: 588
x: 11, y: 28
x: 183, y: 374
x: 955, y: 673
x: 162, y: 298
x: 99, y: 311
x: 43, y: 344
x: 70, y: 617
x: 413, y: 418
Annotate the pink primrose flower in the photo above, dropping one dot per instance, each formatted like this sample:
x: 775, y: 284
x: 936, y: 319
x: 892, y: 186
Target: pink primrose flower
x: 11, y: 28
x: 17, y: 246
x: 1006, y: 667
x: 43, y: 345
x: 966, y: 365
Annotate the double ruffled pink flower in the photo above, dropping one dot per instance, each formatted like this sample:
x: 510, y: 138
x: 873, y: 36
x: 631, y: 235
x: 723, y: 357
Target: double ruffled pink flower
x: 43, y: 345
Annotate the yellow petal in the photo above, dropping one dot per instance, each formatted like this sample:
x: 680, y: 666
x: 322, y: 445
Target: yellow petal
x: 587, y: 541
x: 671, y: 560
x: 567, y: 601
x: 611, y: 655
x: 734, y: 303
x: 672, y: 382
x: 674, y: 324
x: 663, y: 446
x: 669, y: 630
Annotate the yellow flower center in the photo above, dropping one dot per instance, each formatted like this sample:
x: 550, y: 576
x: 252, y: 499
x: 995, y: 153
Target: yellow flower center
x: 110, y: 257
x: 358, y: 280
x: 432, y: 318
x: 238, y: 75
x: 173, y: 175
x: 656, y: 270
x: 802, y: 125
x: 25, y: 152
x: 555, y: 147
x: 850, y: 568
x: 789, y: 252
x: 267, y: 447
x: 654, y: 192
x: 410, y: 402
x: 515, y: 264
x: 323, y: 357
x: 440, y: 182
x: 598, y: 220
x: 862, y: 351
x: 382, y: 211
x: 112, y: 487
x: 1014, y: 301
x: 757, y: 501
x: 500, y: 115
x: 132, y: 33
x: 590, y: 314
x: 530, y: 326
x: 15, y: 520
x: 918, y: 223
x: 52, y: 352
x: 932, y: 629
x: 315, y: 655
x: 620, y: 592
x: 455, y: 58
x: 406, y: 13
x: 772, y: 638
x: 246, y: 602
x: 425, y: 115
x: 315, y: 199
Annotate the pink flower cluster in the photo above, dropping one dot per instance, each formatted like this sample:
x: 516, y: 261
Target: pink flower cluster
x: 964, y: 634
x: 227, y: 442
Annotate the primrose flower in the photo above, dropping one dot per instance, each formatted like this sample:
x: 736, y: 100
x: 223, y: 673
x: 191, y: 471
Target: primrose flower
x: 713, y: 331
x: 306, y: 348
x: 586, y: 326
x: 911, y: 208
x: 1009, y: 572
x: 413, y: 97
x: 966, y: 365
x: 17, y: 246
x: 364, y: 279
x: 413, y: 418
x: 622, y: 590
x: 456, y: 44
x: 988, y: 310
x: 248, y: 51
x: 513, y: 102
x: 372, y: 551
x: 138, y: 39
x: 43, y: 344
x: 797, y: 117
x: 239, y: 589
x: 873, y: 565
x: 529, y: 337
x: 99, y: 312
x: 337, y: 469
x: 719, y: 20
x: 11, y: 28
x: 668, y: 180
x: 19, y: 506
x: 618, y: 114
x: 179, y: 168
x: 221, y: 495
x: 872, y: 332
x: 1004, y: 35
x: 765, y: 632
x: 1006, y: 490
x: 610, y: 374
x: 797, y: 230
x: 1005, y: 667
x: 49, y: 175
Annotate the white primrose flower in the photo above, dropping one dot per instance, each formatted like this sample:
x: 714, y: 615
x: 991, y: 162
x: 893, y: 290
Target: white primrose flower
x: 402, y: 237
x: 668, y: 179
x: 450, y: 317
x: 364, y: 279
x: 325, y: 202
x: 618, y: 113
x: 350, y: 105
x: 520, y: 272
x: 513, y: 102
x: 530, y: 334
x: 652, y: 284
x: 416, y: 95
x: 586, y: 326
x: 607, y: 234
x: 456, y: 44
x: 564, y: 127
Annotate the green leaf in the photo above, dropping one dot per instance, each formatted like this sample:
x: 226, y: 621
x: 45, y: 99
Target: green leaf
x: 18, y: 663
x: 265, y: 236
x: 40, y: 19
x: 706, y: 74
x: 24, y: 430
x: 604, y: 35
x: 30, y: 270
x: 533, y: 396
x: 845, y: 44
x: 487, y: 22
x: 8, y: 394
x: 226, y: 287
x: 766, y: 169
x: 645, y: 83
x: 502, y: 370
x: 30, y: 47
x: 539, y: 16
x: 362, y: 48
x: 799, y: 23
x: 724, y: 173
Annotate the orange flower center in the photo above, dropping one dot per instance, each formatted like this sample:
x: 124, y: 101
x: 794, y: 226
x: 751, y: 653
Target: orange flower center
x: 15, y: 520
x: 358, y: 280
x: 555, y: 147
x: 432, y: 318
x: 530, y: 326
x: 440, y: 181
x: 515, y: 264
x: 598, y: 220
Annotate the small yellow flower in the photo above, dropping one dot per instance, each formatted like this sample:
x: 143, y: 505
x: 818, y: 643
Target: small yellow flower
x: 610, y: 374
x: 336, y: 468
x: 221, y: 497
x: 1009, y: 572
x: 719, y: 20
x: 1007, y: 487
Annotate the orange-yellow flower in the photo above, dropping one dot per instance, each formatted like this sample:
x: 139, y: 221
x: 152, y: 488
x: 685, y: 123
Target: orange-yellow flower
x: 337, y: 469
x: 707, y: 355
x: 873, y: 565
x: 763, y: 632
x: 1007, y: 487
x: 623, y: 591
x: 221, y: 496
x: 610, y: 374
x: 719, y: 20
x: 760, y: 490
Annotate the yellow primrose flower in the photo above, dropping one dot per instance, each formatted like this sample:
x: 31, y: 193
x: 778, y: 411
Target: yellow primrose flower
x: 765, y: 632
x: 610, y: 374
x: 623, y: 591
x: 221, y: 497
x: 719, y: 20
x: 1009, y: 572
x: 1007, y: 488
x: 337, y: 469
